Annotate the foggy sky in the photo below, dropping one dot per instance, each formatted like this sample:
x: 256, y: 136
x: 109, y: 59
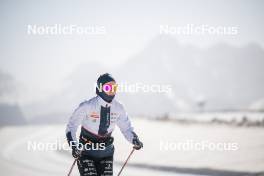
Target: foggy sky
x: 42, y: 63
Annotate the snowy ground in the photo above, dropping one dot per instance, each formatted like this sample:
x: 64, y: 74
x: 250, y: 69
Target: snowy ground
x: 154, y: 159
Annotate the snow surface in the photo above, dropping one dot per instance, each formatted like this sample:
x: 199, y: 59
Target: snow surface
x: 16, y: 159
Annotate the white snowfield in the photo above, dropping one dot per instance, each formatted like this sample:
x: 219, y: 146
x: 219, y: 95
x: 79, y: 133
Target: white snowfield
x: 160, y: 156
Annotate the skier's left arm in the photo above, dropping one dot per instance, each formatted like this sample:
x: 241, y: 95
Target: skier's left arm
x: 73, y: 124
x: 127, y: 130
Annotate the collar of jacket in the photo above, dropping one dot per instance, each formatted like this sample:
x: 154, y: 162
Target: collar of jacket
x: 102, y: 102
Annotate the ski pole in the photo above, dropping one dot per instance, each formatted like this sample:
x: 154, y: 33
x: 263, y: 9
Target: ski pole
x: 119, y: 173
x: 72, y: 167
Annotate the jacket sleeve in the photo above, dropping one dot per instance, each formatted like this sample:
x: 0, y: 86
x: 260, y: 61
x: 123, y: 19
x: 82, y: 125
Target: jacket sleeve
x: 74, y: 122
x: 125, y: 126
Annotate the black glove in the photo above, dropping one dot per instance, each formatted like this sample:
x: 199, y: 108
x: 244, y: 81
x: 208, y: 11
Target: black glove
x: 76, y: 153
x: 137, y: 143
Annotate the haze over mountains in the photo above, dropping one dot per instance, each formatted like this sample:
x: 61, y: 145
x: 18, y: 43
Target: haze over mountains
x: 221, y: 77
x: 10, y: 112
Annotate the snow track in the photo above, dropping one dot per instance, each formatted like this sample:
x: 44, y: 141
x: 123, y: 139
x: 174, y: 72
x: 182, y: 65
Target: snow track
x: 17, y: 159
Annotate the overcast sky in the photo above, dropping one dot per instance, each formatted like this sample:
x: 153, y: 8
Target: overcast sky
x: 41, y: 63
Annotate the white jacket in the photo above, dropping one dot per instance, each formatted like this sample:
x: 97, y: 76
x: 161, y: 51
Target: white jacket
x: 88, y: 116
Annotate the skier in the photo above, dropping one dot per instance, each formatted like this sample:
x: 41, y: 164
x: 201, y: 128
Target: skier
x: 98, y: 117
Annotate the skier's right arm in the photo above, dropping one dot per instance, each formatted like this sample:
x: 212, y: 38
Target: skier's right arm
x: 73, y: 124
